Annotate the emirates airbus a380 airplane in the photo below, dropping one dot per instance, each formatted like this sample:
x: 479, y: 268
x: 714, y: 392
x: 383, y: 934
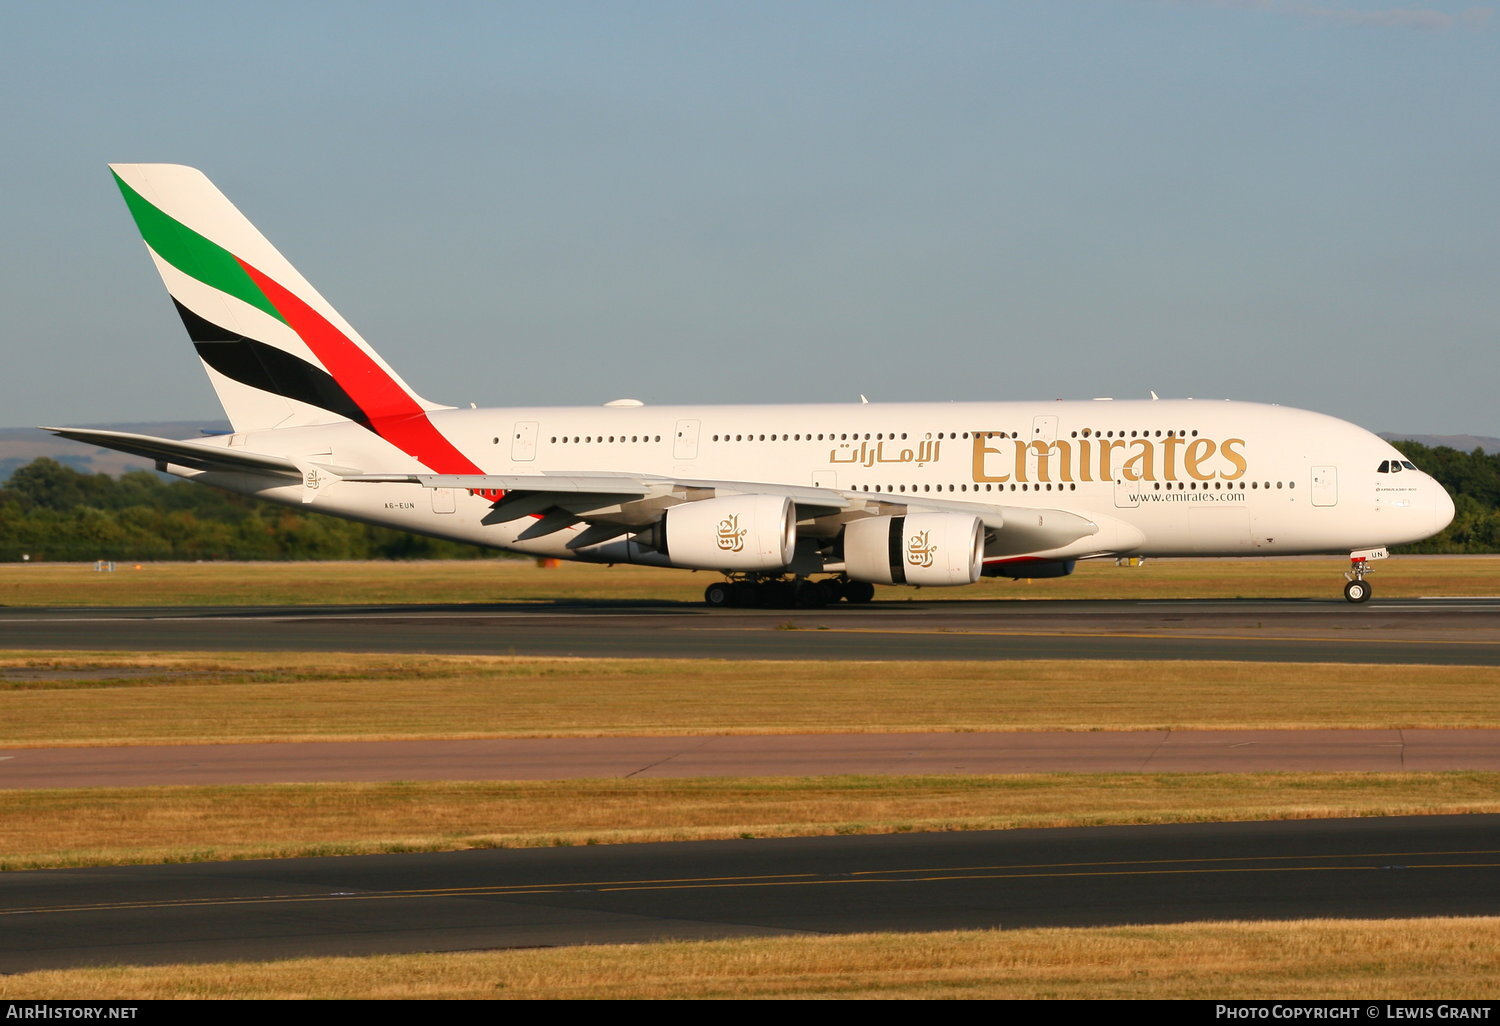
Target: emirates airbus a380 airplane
x: 792, y: 504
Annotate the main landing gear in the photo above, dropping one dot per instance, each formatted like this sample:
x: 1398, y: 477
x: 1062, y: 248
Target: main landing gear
x: 1358, y: 589
x: 785, y: 593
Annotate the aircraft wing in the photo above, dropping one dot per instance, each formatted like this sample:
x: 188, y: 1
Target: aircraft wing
x: 613, y: 504
x: 566, y: 486
x: 185, y: 454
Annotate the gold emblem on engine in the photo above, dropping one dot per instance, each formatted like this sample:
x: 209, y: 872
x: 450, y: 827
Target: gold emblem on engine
x: 731, y: 534
x: 919, y: 549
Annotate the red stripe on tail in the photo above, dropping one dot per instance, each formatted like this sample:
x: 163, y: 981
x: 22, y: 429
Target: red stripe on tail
x: 393, y: 413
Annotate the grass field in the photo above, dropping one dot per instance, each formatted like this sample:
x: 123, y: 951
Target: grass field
x: 152, y: 698
x: 499, y: 581
x: 60, y: 698
x: 143, y: 825
x: 1317, y: 960
x: 113, y: 698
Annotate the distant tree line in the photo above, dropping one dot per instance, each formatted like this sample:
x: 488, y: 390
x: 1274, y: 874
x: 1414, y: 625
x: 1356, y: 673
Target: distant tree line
x: 52, y: 512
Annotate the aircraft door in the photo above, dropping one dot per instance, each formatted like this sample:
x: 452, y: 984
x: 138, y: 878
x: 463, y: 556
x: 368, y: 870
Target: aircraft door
x: 1044, y: 429
x: 523, y: 442
x: 444, y: 500
x: 685, y: 443
x: 1325, y: 486
x: 1127, y: 492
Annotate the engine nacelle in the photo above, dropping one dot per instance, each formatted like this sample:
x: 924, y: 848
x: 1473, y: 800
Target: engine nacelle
x: 736, y: 532
x: 934, y: 550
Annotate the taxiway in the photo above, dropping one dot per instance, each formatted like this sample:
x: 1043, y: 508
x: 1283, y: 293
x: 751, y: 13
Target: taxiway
x: 1361, y: 868
x: 1410, y: 631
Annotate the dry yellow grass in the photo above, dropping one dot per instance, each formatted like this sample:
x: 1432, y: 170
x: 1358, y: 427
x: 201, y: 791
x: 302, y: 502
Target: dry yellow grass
x: 176, y: 697
x: 1318, y: 960
x: 490, y: 581
x: 112, y: 826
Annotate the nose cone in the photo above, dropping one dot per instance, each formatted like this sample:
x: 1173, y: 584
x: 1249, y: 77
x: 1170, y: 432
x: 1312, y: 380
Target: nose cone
x: 1442, y: 508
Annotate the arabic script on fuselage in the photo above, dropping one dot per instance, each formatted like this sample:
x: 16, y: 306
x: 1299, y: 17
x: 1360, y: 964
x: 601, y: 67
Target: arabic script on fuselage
x: 867, y: 455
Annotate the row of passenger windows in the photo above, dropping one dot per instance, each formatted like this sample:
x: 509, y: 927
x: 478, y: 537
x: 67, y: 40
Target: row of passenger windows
x: 590, y: 439
x: 830, y: 436
x: 887, y: 489
x: 1231, y: 485
x: 878, y: 436
x: 1072, y: 486
x: 1095, y: 433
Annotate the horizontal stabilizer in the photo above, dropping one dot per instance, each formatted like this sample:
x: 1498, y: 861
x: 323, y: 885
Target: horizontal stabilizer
x: 195, y: 455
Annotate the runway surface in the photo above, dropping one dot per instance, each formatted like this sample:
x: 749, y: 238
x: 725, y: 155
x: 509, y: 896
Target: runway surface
x: 1157, y: 751
x: 1399, y: 867
x: 1407, y: 631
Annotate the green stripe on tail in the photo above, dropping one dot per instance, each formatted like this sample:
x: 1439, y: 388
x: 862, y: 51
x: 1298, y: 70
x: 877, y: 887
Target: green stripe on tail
x: 192, y: 254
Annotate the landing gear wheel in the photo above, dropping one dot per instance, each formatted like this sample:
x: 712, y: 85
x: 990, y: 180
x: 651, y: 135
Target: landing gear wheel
x: 809, y: 595
x: 776, y: 595
x: 718, y: 595
x: 858, y: 592
x: 1357, y: 591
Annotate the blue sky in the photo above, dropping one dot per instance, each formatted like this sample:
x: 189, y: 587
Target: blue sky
x: 523, y: 203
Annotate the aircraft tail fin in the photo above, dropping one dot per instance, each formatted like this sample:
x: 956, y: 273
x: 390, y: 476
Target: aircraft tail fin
x: 277, y: 353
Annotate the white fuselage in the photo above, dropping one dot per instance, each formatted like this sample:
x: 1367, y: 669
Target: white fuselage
x: 1164, y: 477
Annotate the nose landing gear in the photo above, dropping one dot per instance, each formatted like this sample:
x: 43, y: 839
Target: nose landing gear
x: 1358, y: 589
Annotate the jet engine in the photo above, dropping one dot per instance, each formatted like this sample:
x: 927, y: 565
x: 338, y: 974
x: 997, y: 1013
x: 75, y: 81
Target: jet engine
x: 736, y: 532
x: 934, y: 550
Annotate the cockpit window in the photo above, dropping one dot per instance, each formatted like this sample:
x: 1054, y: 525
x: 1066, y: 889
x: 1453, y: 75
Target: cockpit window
x: 1408, y: 464
x: 1384, y: 468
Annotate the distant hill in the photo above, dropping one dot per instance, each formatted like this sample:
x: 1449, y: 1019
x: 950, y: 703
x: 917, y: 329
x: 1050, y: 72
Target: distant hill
x: 19, y: 446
